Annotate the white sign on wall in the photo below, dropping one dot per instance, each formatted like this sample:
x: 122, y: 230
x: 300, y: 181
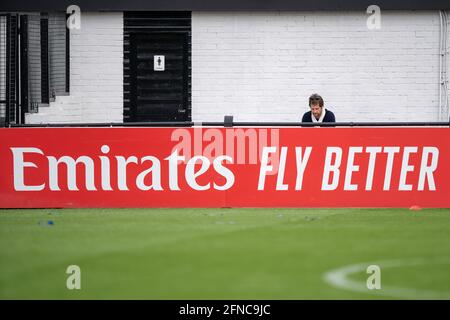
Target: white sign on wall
x: 158, y: 63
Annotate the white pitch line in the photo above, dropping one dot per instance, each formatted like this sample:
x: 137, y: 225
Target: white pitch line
x: 339, y: 278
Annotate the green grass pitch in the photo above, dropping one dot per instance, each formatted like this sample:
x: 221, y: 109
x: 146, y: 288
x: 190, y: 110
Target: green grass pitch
x: 225, y: 253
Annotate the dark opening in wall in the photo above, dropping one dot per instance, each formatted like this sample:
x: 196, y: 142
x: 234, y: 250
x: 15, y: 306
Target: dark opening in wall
x: 157, y: 66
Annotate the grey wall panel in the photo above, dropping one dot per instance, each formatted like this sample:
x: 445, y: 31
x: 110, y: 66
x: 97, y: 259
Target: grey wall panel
x: 57, y: 53
x: 34, y: 60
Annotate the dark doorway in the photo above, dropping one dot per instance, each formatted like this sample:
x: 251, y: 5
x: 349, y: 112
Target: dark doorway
x: 157, y: 67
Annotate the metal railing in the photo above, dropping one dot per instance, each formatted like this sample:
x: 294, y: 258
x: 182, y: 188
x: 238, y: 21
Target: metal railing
x: 234, y: 124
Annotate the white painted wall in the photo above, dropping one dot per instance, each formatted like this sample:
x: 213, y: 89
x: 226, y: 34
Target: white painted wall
x: 262, y: 66
x: 446, y: 108
x: 96, y: 74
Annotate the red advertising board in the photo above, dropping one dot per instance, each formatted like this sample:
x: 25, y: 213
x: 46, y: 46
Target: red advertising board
x: 224, y: 167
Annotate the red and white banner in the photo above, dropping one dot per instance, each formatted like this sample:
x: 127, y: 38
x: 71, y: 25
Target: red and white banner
x: 218, y: 167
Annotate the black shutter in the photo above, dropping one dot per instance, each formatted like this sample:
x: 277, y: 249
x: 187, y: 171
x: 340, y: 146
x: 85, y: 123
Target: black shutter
x: 34, y: 62
x: 3, y: 72
x: 24, y: 96
x: 8, y: 68
x: 45, y: 99
x: 57, y: 53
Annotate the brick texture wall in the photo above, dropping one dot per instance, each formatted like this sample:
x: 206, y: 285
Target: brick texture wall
x: 262, y: 66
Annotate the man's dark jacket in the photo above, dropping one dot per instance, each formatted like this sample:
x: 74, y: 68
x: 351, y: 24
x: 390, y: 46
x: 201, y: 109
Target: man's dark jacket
x: 329, y: 117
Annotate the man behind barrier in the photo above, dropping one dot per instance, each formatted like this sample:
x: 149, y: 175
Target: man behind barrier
x: 318, y: 113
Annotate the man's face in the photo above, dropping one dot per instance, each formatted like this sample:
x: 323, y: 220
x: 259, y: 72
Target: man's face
x: 316, y: 110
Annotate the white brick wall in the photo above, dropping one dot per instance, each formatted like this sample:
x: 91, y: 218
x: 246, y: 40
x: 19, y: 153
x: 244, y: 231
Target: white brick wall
x: 447, y: 109
x: 262, y: 66
x: 96, y: 74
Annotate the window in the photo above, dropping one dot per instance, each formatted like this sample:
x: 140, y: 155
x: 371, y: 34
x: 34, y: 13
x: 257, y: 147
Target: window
x: 39, y: 52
